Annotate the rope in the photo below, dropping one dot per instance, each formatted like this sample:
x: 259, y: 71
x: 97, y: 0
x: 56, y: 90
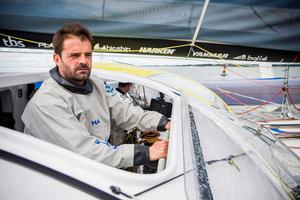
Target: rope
x: 266, y: 116
x: 251, y: 80
x: 269, y: 117
x: 290, y: 99
x: 274, y: 119
x: 231, y: 97
x: 292, y: 147
x: 230, y: 157
x: 227, y: 93
x: 261, y: 105
x: 294, y: 88
x: 248, y: 97
x: 164, y: 182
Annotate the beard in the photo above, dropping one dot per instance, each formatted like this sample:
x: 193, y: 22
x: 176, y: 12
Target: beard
x: 77, y: 74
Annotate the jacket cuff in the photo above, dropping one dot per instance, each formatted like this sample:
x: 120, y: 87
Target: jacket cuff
x: 162, y: 123
x: 141, y: 155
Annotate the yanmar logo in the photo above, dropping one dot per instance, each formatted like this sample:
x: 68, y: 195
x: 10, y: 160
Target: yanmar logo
x: 251, y: 58
x: 95, y: 122
x: 9, y: 42
x: 210, y: 55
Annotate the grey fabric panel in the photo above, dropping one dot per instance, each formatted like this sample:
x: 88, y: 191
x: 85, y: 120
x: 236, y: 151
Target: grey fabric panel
x: 273, y: 25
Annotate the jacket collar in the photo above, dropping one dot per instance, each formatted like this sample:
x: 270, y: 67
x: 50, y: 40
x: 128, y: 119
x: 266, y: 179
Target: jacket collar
x: 85, y: 89
x: 120, y: 91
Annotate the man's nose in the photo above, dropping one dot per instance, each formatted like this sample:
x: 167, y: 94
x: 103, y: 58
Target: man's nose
x: 83, y: 59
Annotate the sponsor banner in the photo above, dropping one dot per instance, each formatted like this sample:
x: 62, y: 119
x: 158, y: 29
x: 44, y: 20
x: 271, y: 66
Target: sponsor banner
x: 140, y: 46
x: 19, y: 39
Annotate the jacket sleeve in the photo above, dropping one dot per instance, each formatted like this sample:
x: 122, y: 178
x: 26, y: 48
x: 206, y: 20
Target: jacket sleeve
x: 128, y: 116
x: 57, y: 124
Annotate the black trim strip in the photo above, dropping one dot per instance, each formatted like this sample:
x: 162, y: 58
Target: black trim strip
x: 57, y: 175
x: 203, y: 182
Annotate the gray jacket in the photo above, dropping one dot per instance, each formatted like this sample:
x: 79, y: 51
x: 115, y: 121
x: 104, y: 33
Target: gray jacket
x: 118, y: 135
x: 79, y: 119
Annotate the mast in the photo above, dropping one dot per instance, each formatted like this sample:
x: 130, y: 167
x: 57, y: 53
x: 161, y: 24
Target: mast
x: 196, y: 33
x: 285, y: 107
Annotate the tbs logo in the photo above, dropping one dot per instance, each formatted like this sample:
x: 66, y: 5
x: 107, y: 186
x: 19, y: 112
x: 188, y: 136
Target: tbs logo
x: 12, y: 43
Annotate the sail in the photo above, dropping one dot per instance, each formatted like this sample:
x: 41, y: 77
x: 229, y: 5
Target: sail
x: 245, y: 30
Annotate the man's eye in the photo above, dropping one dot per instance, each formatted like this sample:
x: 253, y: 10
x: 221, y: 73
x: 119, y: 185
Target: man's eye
x: 88, y: 55
x: 75, y: 55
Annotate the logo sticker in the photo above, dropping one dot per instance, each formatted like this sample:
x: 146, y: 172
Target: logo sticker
x: 9, y: 42
x: 109, y: 89
x: 98, y: 141
x: 95, y: 122
x: 251, y: 58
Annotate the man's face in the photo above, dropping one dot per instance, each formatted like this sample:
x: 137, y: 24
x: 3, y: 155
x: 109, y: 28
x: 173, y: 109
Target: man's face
x: 127, y: 88
x: 75, y: 62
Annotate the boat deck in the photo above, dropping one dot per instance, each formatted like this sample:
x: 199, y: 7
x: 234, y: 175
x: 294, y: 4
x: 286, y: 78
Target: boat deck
x: 286, y: 129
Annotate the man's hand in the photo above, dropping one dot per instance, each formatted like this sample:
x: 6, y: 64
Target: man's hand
x: 158, y: 150
x: 168, y: 125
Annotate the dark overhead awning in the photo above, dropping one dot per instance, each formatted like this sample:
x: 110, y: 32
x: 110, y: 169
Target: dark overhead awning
x: 266, y: 25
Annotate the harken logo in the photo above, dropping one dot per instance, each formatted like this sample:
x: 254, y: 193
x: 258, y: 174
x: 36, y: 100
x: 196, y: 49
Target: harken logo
x: 164, y: 51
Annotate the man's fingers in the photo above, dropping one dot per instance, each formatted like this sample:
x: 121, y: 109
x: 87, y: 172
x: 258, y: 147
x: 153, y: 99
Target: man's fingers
x: 168, y: 126
x: 159, y: 150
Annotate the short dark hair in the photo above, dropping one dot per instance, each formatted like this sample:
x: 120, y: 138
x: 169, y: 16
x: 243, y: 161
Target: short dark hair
x: 124, y: 84
x: 71, y: 29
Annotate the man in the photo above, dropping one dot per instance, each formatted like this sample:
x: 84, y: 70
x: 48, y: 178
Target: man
x: 123, y: 91
x: 72, y: 110
x: 124, y: 88
x: 118, y: 135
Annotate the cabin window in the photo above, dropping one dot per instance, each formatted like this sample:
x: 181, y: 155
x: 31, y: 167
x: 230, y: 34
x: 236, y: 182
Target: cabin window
x: 6, y: 109
x: 13, y: 101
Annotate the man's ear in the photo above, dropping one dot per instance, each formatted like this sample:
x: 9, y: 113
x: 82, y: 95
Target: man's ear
x: 57, y: 59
